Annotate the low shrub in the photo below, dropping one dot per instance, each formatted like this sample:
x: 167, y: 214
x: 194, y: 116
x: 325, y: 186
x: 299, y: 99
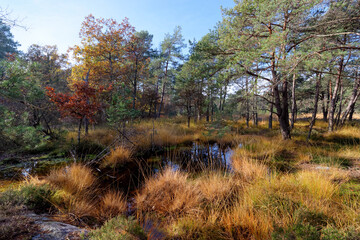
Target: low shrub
x: 297, y: 231
x: 37, y: 198
x: 119, y: 228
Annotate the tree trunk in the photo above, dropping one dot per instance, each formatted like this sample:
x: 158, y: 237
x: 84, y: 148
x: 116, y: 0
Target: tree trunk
x: 86, y: 126
x: 221, y: 97
x: 135, y: 84
x: 79, y: 131
x: 224, y: 98
x: 351, y: 105
x: 255, y: 104
x: 317, y: 91
x: 164, y: 85
x: 293, y: 106
x: 282, y: 108
x: 212, y: 107
x: 352, y: 112
x: 333, y: 98
x: 327, y: 101
x: 271, y: 108
x: 162, y: 100
x: 188, y: 109
x: 247, y: 102
x: 337, y: 118
x: 271, y: 115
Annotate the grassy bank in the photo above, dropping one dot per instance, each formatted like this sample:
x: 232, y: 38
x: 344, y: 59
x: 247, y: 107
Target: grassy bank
x: 275, y: 189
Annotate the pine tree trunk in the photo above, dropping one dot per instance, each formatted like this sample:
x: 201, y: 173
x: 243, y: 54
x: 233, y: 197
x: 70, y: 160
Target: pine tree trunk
x: 313, y: 119
x: 271, y: 110
x: 337, y: 118
x: 293, y: 98
x: 247, y: 102
x: 352, y: 112
x: 282, y: 108
x: 135, y: 84
x: 351, y: 105
x: 333, y: 98
x: 255, y: 104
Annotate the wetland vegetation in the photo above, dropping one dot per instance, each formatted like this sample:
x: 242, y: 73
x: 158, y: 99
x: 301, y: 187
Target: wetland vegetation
x: 128, y: 141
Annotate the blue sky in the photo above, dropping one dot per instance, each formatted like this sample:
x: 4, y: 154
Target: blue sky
x: 57, y: 22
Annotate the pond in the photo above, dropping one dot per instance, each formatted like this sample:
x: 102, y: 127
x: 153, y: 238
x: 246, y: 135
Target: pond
x: 17, y: 168
x: 193, y: 158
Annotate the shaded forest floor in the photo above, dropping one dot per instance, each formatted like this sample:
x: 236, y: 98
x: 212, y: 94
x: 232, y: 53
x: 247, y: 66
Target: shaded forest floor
x: 164, y: 180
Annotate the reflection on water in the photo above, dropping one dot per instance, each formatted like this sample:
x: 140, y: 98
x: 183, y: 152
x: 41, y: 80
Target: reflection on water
x: 193, y: 158
x: 18, y: 168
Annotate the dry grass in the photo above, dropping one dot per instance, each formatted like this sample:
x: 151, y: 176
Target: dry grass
x: 246, y: 168
x: 74, y: 179
x: 78, y: 195
x: 103, y: 136
x: 249, y: 203
x: 216, y: 187
x: 169, y: 195
x: 113, y: 203
x: 118, y: 156
x: 164, y: 133
x: 347, y: 134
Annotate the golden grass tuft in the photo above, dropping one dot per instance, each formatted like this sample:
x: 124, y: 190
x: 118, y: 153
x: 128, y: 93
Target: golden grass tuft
x: 79, y: 208
x: 102, y: 136
x: 246, y: 222
x: 246, y: 168
x: 218, y: 189
x: 317, y: 185
x: 34, y: 180
x: 346, y: 134
x: 118, y: 156
x: 169, y: 195
x: 162, y: 133
x: 113, y: 203
x: 74, y: 179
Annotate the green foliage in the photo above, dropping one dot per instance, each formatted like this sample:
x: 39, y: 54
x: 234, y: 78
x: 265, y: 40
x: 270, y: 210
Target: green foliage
x: 7, y: 43
x: 14, y: 126
x: 20, y: 115
x: 37, y: 198
x: 9, y: 198
x: 331, y: 233
x: 120, y: 110
x: 119, y: 228
x: 315, y: 219
x: 217, y: 129
x: 297, y: 232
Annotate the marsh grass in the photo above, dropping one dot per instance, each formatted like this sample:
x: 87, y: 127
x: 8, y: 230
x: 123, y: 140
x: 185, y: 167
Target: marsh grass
x: 266, y: 195
x: 118, y: 156
x: 74, y: 179
x: 168, y: 195
x: 113, y: 203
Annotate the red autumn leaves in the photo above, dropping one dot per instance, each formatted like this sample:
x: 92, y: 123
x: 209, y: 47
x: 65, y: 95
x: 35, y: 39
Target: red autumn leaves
x: 84, y: 102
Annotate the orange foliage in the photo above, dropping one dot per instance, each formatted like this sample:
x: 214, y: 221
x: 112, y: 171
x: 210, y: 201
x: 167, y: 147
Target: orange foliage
x: 102, y: 50
x: 84, y: 102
